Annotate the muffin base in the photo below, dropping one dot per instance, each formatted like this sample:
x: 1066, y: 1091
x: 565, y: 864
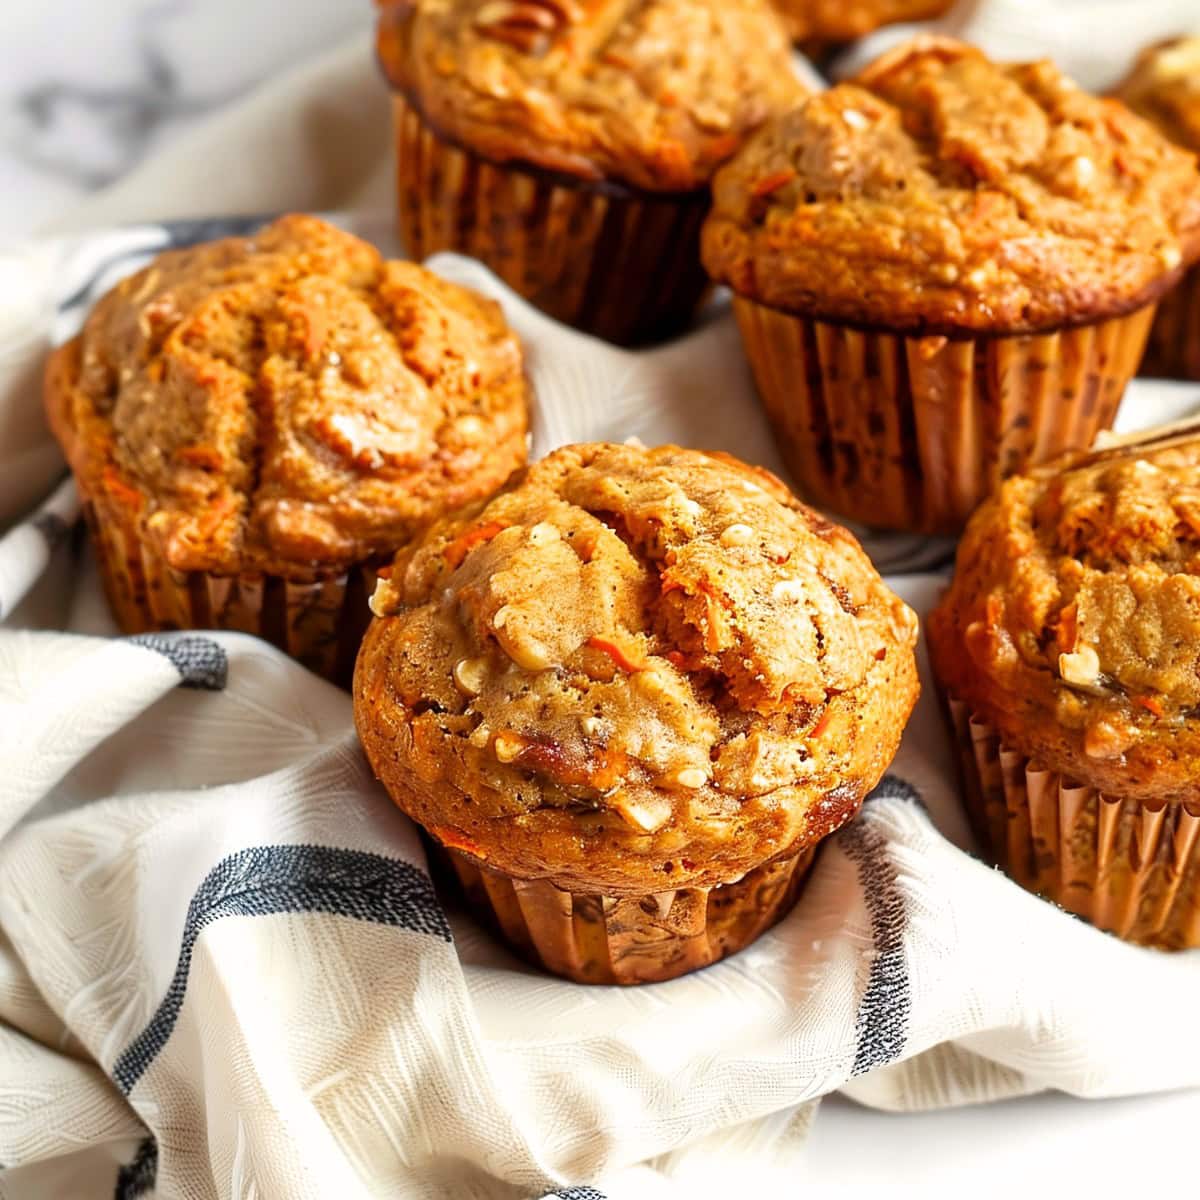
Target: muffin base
x: 1173, y: 351
x: 629, y: 939
x: 320, y: 622
x: 1124, y: 865
x: 619, y: 263
x: 912, y: 433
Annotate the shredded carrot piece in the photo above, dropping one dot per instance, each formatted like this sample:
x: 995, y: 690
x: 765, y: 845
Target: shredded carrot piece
x: 676, y: 659
x: 204, y: 457
x: 617, y: 654
x: 453, y: 839
x: 823, y: 724
x: 670, y: 585
x: 1150, y: 703
x: 466, y: 542
x: 773, y: 182
x: 881, y: 654
x: 119, y: 490
x: 384, y: 572
x: 1066, y: 629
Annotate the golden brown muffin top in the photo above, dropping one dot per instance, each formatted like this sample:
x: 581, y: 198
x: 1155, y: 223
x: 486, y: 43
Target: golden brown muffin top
x: 1073, y: 622
x: 941, y: 192
x: 1164, y: 87
x: 844, y: 20
x: 289, y: 401
x: 649, y: 93
x: 634, y: 670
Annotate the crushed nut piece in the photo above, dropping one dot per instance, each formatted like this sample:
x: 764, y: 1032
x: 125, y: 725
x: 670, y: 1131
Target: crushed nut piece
x: 470, y: 675
x: 737, y: 535
x: 691, y: 777
x: 507, y: 746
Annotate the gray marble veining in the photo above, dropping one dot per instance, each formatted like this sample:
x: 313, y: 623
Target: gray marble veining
x: 87, y: 89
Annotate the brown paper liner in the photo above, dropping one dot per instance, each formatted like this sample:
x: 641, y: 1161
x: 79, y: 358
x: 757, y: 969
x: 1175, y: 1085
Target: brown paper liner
x: 629, y: 939
x: 1173, y: 351
x: 321, y: 623
x: 621, y: 264
x: 912, y: 433
x: 1127, y: 866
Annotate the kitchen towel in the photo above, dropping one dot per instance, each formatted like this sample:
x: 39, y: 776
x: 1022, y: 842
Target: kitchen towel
x: 224, y: 972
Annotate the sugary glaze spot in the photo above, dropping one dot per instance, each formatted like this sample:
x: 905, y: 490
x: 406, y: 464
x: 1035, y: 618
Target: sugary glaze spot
x: 632, y: 669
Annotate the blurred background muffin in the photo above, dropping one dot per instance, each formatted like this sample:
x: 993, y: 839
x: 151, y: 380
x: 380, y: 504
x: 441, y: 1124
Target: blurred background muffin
x: 256, y: 423
x: 569, y: 146
x: 1164, y: 87
x: 944, y: 271
x: 1067, y: 647
x: 629, y: 696
x: 819, y: 24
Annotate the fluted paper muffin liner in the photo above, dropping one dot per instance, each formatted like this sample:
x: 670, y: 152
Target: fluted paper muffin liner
x: 913, y: 432
x: 320, y: 622
x: 1126, y: 866
x: 619, y: 263
x: 1173, y: 351
x: 629, y: 939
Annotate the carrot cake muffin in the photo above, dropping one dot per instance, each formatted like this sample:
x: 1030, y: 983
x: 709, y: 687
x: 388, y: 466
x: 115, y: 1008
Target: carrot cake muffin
x: 569, y: 145
x: 255, y: 423
x: 1067, y: 647
x: 630, y: 695
x: 1164, y: 87
x: 944, y: 271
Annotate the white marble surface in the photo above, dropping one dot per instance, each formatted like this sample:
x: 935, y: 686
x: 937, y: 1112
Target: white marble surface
x: 87, y: 87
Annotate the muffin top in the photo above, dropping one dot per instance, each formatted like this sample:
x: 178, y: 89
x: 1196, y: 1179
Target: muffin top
x: 287, y: 402
x: 1073, y: 622
x: 940, y: 192
x: 634, y: 670
x: 844, y: 20
x: 648, y: 93
x: 1164, y: 87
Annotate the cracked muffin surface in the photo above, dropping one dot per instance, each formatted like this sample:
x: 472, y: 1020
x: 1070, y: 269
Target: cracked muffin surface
x: 650, y: 93
x: 287, y: 402
x: 634, y: 670
x: 1073, y: 622
x: 961, y: 195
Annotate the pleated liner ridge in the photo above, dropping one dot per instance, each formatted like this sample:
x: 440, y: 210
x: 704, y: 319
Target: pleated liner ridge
x: 1174, y: 348
x: 912, y: 433
x: 621, y: 264
x: 321, y: 622
x: 630, y: 939
x: 1126, y: 866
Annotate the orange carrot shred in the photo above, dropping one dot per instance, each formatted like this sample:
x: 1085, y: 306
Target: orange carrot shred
x: 617, y: 654
x: 466, y: 542
x: 773, y: 182
x: 823, y: 724
x: 119, y: 490
x: 1150, y: 703
x: 452, y: 839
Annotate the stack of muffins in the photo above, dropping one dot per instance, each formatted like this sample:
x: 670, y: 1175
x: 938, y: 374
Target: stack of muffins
x: 627, y: 693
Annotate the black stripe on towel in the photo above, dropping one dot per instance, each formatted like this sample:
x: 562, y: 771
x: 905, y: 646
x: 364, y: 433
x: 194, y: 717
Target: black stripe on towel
x: 881, y: 1026
x: 201, y: 663
x: 575, y: 1193
x: 267, y: 880
x: 137, y: 1178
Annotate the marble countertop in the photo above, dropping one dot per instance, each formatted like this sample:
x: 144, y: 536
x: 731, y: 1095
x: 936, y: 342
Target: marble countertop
x: 87, y: 88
